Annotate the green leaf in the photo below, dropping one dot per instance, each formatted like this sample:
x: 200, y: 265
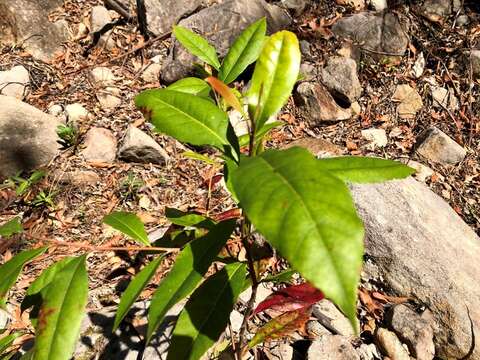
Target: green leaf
x: 62, y: 312
x: 129, y: 224
x: 275, y: 74
x: 206, y: 313
x: 364, y: 169
x: 200, y: 157
x: 10, y: 271
x: 186, y: 117
x: 197, y: 45
x: 11, y: 227
x: 183, y: 218
x: 308, y: 216
x: 7, y: 341
x: 228, y: 168
x: 33, y: 296
x: 191, y: 85
x: 244, y: 51
x: 190, y: 266
x: 134, y: 289
x: 284, y: 276
x: 244, y: 139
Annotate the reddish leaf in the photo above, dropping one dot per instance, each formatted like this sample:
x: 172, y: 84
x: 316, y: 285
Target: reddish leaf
x: 227, y: 93
x: 291, y: 298
x: 281, y: 326
x: 227, y: 215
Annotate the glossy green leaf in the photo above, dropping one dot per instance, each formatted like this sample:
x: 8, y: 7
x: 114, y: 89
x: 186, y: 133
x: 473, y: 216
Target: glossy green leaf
x: 186, y: 117
x: 206, y: 313
x: 364, y: 169
x: 308, y: 216
x: 134, y: 289
x: 7, y: 341
x: 275, y: 74
x: 244, y: 139
x: 11, y: 227
x: 190, y: 266
x: 191, y: 85
x: 228, y: 168
x: 33, y: 296
x: 197, y: 45
x: 284, y: 276
x: 243, y: 52
x: 128, y: 224
x: 62, y: 312
x: 10, y: 271
x: 199, y: 157
x: 183, y: 218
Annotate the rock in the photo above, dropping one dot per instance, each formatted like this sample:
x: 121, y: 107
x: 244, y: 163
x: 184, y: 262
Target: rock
x: 319, y: 147
x: 141, y: 148
x: 413, y: 330
x: 79, y: 178
x: 55, y: 110
x: 435, y: 145
x: 410, y: 101
x: 462, y: 20
x: 5, y: 319
x: 108, y: 98
x: 435, y: 9
x: 412, y: 249
x: 152, y: 73
x: 14, y: 82
x: 76, y: 112
x: 380, y: 33
x: 444, y: 99
x: 22, y: 21
x: 100, y: 145
x: 282, y: 351
x: 329, y: 316
x: 390, y: 345
x: 99, y: 17
x: 377, y: 137
x: 102, y: 76
x: 97, y: 339
x: 368, y: 352
x: 332, y: 347
x: 163, y: 14
x: 318, y: 105
x: 315, y: 329
x: 298, y: 6
x: 423, y: 173
x: 379, y: 5
x: 475, y: 61
x: 340, y: 77
x: 221, y: 24
x: 28, y: 137
x: 356, y: 4
x: 419, y: 66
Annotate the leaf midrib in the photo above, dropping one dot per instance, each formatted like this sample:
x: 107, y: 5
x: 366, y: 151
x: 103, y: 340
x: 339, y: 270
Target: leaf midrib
x: 192, y: 44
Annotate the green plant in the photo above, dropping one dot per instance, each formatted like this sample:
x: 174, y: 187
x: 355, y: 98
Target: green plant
x: 130, y: 185
x: 45, y: 198
x: 68, y: 135
x: 300, y: 204
x: 22, y: 185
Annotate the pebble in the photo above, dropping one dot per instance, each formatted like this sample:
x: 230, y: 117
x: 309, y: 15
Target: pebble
x: 139, y: 147
x: 341, y: 79
x: 423, y: 172
x: 378, y: 5
x: 410, y: 101
x: 13, y: 82
x: 377, y: 137
x: 390, y: 345
x: 475, y: 60
x: 102, y: 76
x: 332, y: 347
x: 329, y: 316
x: 152, y: 73
x: 76, y: 112
x: 100, y: 145
x: 55, y: 110
x: 444, y: 99
x: 435, y: 145
x: 108, y: 98
x: 80, y: 178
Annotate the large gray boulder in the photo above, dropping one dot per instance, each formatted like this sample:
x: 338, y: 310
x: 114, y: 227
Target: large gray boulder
x: 420, y: 248
x: 221, y: 24
x: 163, y: 14
x: 26, y: 22
x: 28, y: 137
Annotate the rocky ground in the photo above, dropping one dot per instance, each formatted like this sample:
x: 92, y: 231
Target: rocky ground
x: 396, y: 80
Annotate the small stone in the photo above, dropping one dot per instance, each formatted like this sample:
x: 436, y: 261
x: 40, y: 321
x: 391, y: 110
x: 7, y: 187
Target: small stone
x: 329, y: 316
x: 236, y: 320
x: 443, y: 98
x: 410, y: 101
x: 436, y: 9
x: 414, y: 331
x: 55, y: 110
x: 308, y: 71
x: 379, y: 5
x: 138, y: 147
x: 318, y: 105
x: 108, y: 98
x: 435, y: 145
x: 80, y: 178
x: 475, y: 60
x: 305, y: 48
x: 99, y: 17
x: 100, y: 145
x: 378, y: 137
x: 76, y: 112
x: 315, y: 329
x: 102, y: 76
x: 356, y: 109
x: 423, y: 172
x: 419, y: 66
x: 368, y: 352
x: 157, y: 59
x: 13, y: 82
x: 356, y: 4
x: 332, y: 347
x: 341, y: 79
x: 298, y: 6
x: 152, y: 73
x: 390, y: 345
x: 463, y: 20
